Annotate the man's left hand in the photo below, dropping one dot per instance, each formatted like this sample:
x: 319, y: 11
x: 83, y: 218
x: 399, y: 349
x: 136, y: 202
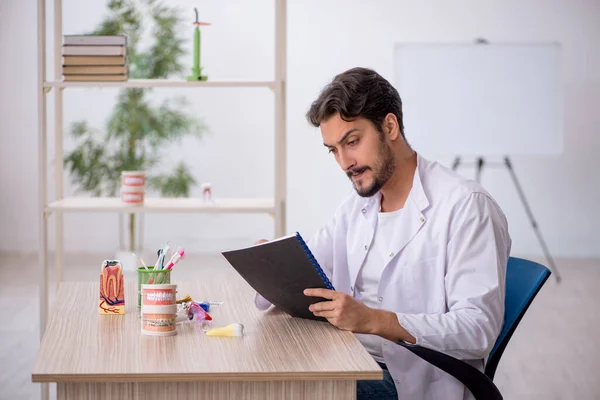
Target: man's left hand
x: 342, y: 311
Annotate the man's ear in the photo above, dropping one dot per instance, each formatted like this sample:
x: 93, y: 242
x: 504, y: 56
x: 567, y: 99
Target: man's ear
x: 391, y: 127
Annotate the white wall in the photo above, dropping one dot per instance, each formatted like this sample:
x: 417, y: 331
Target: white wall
x: 324, y: 38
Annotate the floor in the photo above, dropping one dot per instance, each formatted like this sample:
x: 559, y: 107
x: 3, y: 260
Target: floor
x: 554, y: 354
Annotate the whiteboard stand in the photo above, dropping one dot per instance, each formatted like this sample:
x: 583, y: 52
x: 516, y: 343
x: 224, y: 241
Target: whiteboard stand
x: 479, y: 164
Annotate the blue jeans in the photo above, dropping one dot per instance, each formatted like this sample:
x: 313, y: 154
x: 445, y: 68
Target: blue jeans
x: 377, y: 390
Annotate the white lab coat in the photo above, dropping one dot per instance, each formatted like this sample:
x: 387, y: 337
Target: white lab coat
x: 445, y: 277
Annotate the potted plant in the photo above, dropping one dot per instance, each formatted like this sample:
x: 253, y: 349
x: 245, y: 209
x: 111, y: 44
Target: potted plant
x: 136, y: 130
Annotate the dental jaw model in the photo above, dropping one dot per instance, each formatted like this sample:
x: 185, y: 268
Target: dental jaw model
x: 159, y: 310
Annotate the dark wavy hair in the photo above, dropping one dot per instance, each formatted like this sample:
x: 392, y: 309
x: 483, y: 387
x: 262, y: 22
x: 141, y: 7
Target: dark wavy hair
x: 355, y: 93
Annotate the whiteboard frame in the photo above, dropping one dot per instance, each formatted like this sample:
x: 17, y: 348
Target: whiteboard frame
x: 424, y: 109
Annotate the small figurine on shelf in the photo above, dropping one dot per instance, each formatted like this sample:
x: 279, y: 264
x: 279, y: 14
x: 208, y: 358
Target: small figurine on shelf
x: 206, y: 192
x: 197, y: 69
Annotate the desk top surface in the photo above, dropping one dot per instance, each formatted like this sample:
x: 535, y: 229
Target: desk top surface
x: 79, y: 345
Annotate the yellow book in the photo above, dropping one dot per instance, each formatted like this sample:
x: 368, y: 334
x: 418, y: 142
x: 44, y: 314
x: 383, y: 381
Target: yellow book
x: 94, y: 60
x: 94, y: 69
x: 94, y: 78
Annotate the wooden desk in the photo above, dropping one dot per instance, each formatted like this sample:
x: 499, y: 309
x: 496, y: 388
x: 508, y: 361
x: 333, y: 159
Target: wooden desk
x: 92, y: 356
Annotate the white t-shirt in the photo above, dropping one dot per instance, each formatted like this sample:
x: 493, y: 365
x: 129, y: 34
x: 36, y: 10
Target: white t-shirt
x: 367, y: 281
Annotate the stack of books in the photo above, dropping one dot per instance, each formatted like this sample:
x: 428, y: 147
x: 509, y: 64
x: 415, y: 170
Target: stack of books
x: 94, y: 58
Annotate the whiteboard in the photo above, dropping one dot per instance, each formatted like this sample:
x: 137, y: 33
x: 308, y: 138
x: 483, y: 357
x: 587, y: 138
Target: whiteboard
x: 481, y: 99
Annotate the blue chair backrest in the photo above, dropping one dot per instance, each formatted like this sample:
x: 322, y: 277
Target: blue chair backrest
x: 524, y: 279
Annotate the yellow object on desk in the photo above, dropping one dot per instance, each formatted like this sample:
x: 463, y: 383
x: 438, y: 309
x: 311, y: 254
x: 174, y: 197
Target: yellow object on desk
x: 229, y: 330
x: 186, y: 299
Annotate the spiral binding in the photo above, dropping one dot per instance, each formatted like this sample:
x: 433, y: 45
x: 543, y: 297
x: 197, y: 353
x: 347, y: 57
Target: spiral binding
x: 314, y: 262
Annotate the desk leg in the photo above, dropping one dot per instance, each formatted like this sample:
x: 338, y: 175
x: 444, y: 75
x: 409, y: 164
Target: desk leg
x: 263, y: 390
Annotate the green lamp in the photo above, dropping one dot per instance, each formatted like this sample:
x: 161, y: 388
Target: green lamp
x: 196, y: 69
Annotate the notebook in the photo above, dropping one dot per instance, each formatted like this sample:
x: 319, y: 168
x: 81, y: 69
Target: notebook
x: 279, y: 271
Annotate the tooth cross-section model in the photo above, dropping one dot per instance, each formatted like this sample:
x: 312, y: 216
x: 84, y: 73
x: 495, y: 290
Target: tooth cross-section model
x: 112, y: 289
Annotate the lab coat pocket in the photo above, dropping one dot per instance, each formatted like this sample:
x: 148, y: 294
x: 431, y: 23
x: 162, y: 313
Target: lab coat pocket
x: 423, y: 281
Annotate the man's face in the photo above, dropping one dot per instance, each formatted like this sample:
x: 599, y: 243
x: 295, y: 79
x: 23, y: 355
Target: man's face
x: 361, y: 151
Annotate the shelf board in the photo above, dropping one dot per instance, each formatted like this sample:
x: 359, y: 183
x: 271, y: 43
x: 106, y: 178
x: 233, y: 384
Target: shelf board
x: 149, y: 83
x: 163, y: 205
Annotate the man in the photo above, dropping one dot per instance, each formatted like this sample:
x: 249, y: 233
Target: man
x: 417, y: 254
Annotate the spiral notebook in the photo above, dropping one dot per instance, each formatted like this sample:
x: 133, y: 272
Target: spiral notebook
x: 279, y: 271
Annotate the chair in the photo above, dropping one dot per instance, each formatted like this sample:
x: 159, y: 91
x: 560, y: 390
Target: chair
x: 524, y: 279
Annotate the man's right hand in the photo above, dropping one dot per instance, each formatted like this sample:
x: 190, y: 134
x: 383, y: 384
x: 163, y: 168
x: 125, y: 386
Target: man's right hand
x: 261, y: 241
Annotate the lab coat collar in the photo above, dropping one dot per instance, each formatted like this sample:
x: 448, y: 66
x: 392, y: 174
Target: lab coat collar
x: 416, y: 197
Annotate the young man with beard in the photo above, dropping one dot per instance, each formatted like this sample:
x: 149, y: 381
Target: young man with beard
x: 417, y: 254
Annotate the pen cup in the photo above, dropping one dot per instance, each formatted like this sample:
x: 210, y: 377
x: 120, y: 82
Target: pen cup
x: 150, y: 276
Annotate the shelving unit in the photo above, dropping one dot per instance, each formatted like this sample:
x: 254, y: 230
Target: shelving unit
x: 275, y: 206
x: 162, y: 205
x: 158, y: 83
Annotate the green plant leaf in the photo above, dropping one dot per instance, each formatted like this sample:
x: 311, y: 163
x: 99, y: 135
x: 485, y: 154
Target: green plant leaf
x: 176, y: 184
x: 162, y: 58
x: 79, y: 129
x: 87, y: 165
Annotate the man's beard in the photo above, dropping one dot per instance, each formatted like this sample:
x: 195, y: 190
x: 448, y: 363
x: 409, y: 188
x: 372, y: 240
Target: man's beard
x: 383, y: 170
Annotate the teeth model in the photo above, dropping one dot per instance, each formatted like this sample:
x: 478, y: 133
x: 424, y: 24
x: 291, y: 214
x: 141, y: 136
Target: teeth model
x: 160, y: 296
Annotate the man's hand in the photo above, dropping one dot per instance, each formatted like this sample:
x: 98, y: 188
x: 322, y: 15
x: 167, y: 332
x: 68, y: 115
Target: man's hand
x: 349, y: 314
x: 342, y: 311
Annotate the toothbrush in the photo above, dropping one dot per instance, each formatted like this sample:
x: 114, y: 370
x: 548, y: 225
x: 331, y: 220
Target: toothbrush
x: 176, y: 257
x: 142, y: 261
x: 163, y: 254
